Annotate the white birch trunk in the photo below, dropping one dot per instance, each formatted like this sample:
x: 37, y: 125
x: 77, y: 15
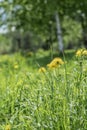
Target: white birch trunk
x: 59, y: 33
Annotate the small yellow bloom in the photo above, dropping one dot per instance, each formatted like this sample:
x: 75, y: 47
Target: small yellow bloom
x: 56, y: 62
x: 81, y: 52
x: 52, y: 65
x: 84, y: 52
x: 8, y: 127
x: 42, y: 69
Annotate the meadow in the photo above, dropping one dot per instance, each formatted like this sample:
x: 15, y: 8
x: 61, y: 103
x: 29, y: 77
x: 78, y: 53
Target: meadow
x: 43, y: 92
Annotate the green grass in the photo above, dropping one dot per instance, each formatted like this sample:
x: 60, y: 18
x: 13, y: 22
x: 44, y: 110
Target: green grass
x: 54, y: 100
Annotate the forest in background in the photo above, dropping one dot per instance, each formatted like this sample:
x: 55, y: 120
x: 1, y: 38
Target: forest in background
x: 56, y: 25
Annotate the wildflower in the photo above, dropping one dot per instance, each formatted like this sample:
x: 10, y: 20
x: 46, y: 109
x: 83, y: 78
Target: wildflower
x: 42, y: 69
x: 81, y: 52
x: 84, y: 52
x: 8, y: 127
x: 52, y: 65
x: 56, y: 62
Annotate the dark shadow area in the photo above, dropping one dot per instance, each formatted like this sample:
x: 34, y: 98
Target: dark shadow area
x: 44, y: 60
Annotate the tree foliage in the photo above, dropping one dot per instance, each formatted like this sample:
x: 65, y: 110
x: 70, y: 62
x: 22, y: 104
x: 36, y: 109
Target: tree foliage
x: 39, y: 15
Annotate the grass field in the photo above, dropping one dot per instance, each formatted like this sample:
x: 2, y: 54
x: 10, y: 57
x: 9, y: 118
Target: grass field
x: 36, y: 94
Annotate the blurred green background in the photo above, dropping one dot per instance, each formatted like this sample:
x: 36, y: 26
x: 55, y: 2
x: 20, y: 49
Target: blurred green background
x: 29, y: 25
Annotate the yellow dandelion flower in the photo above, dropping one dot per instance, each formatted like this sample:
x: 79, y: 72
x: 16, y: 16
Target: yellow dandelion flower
x: 8, y: 127
x: 42, y: 69
x: 81, y: 52
x: 56, y: 62
x: 52, y: 65
x: 84, y: 52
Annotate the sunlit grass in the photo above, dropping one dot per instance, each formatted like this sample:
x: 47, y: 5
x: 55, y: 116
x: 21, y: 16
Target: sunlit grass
x: 34, y: 97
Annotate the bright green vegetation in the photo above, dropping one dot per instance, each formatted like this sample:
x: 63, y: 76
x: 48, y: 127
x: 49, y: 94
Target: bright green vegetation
x: 53, y: 100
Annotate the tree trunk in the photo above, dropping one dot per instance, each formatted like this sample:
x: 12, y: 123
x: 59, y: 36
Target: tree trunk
x: 59, y: 33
